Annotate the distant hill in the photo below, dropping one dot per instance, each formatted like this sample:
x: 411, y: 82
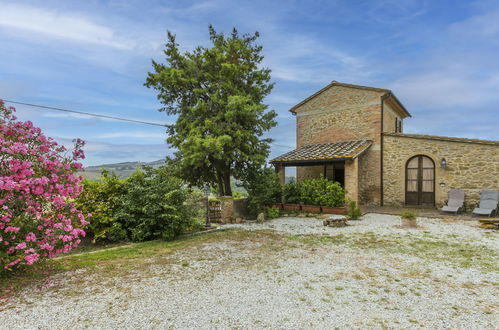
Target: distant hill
x: 123, y: 170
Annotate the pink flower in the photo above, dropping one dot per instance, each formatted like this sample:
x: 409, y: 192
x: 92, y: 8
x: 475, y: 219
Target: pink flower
x: 38, y: 182
x: 31, y: 237
x: 21, y: 246
x: 12, y: 229
x: 31, y: 258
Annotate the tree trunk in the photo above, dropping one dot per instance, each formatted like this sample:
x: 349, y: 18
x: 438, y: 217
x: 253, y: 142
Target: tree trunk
x: 220, y: 184
x: 227, y: 187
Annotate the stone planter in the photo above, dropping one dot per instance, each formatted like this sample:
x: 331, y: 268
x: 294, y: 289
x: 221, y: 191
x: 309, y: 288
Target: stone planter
x: 311, y: 208
x: 292, y: 207
x: 334, y: 210
x: 409, y: 223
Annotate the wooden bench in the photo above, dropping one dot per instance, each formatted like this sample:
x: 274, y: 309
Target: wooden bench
x: 489, y: 223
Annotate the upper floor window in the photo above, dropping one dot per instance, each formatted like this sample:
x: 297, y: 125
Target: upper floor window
x: 398, y: 125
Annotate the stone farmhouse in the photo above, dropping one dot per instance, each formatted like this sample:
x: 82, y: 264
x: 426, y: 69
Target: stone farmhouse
x: 354, y: 135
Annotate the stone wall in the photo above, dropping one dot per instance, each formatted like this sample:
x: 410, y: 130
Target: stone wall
x: 352, y: 179
x: 369, y: 176
x: 341, y: 114
x: 309, y: 172
x: 227, y: 206
x: 471, y: 165
x: 389, y: 117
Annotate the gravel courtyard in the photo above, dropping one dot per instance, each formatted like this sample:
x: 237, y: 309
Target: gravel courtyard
x: 283, y: 274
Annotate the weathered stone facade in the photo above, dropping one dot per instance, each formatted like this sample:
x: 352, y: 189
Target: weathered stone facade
x: 471, y: 165
x: 342, y: 113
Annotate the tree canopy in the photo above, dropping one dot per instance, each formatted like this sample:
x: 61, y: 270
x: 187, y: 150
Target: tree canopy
x: 217, y: 95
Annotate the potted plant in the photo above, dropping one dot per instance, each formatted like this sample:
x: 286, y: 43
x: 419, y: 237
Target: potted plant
x: 278, y: 206
x: 291, y: 207
x: 408, y: 219
x: 334, y: 210
x: 332, y: 198
x: 311, y: 208
x: 291, y: 196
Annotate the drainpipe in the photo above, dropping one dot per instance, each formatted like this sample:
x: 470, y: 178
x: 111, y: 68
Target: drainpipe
x: 383, y: 98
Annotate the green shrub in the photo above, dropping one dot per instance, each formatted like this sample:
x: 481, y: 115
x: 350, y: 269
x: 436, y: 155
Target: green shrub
x: 102, y: 199
x: 263, y: 187
x: 310, y: 191
x: 272, y: 212
x: 315, y: 192
x: 199, y: 213
x: 154, y: 206
x: 353, y: 211
x: 150, y: 204
x: 409, y: 215
x: 291, y: 192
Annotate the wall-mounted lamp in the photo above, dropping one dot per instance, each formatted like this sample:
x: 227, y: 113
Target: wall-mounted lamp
x: 442, y: 184
x: 443, y: 163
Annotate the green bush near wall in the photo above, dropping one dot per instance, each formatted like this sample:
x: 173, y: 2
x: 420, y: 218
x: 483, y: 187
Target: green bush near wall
x: 315, y: 192
x: 263, y: 187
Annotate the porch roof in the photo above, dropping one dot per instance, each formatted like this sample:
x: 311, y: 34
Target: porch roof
x: 323, y: 152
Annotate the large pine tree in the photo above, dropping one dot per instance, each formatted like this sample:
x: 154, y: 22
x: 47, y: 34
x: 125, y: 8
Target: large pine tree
x: 217, y: 95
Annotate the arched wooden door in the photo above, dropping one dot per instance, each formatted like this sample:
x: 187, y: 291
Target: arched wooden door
x: 420, y: 181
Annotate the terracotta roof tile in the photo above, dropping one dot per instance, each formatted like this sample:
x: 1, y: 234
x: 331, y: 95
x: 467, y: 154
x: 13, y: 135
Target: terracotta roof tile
x: 325, y: 151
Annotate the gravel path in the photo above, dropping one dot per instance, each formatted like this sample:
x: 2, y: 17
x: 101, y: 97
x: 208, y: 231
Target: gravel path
x: 382, y: 224
x: 281, y: 282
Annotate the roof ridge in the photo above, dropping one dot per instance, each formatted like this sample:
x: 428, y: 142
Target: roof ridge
x: 335, y: 82
x: 444, y: 138
x: 343, y: 141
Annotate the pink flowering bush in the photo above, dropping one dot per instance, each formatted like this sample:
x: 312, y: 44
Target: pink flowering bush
x: 38, y: 186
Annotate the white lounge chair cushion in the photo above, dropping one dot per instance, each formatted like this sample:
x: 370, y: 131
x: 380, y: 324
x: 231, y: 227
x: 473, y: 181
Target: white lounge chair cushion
x: 482, y: 211
x: 449, y: 208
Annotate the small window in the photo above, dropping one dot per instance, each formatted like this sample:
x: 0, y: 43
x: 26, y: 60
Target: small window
x: 398, y: 125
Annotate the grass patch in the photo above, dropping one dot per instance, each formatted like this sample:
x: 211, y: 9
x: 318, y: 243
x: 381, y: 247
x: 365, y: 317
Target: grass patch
x: 120, y: 260
x: 458, y: 253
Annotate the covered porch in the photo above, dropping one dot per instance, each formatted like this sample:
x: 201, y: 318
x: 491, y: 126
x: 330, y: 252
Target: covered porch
x: 336, y: 161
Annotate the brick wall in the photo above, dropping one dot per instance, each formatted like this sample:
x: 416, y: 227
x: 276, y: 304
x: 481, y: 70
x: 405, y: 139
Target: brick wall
x: 470, y: 166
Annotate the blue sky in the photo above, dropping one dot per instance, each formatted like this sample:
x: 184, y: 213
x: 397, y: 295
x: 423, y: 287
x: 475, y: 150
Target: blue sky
x: 439, y: 57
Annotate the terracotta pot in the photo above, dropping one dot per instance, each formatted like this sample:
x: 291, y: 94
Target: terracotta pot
x: 334, y: 210
x: 277, y: 205
x: 311, y: 208
x: 409, y: 223
x: 292, y: 207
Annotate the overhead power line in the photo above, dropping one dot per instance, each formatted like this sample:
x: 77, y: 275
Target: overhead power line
x: 103, y: 116
x: 87, y: 113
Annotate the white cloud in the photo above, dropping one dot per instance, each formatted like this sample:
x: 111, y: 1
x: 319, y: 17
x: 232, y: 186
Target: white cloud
x: 484, y: 26
x: 444, y: 88
x: 70, y: 26
x: 304, y: 59
x: 462, y: 71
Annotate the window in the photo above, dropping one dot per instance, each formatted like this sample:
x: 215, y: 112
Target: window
x: 398, y: 125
